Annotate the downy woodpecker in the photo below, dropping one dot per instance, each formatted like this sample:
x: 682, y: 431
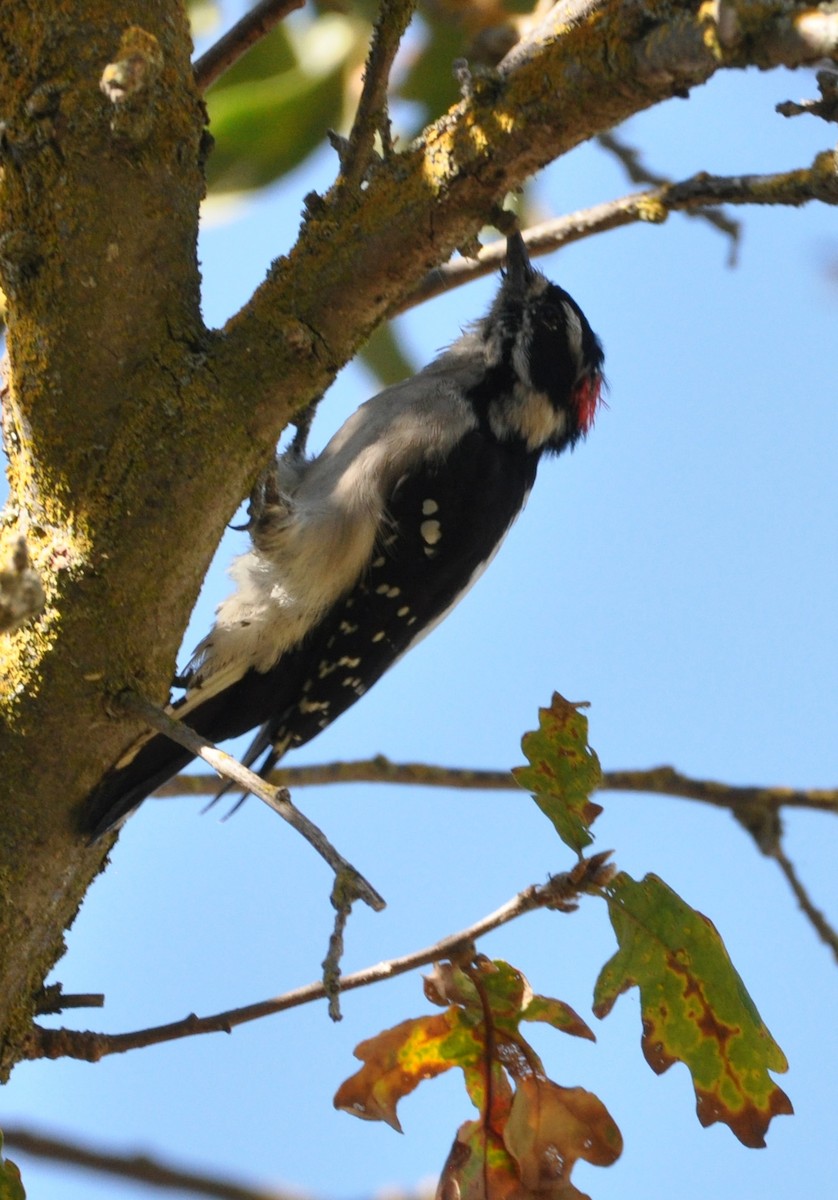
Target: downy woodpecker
x: 359, y: 552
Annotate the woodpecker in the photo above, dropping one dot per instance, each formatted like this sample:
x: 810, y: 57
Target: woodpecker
x: 361, y: 551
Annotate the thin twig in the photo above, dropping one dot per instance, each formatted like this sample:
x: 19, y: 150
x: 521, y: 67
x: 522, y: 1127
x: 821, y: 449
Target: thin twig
x: 53, y: 999
x: 638, y: 172
x: 794, y: 188
x: 139, y: 1167
x: 229, y: 48
x: 561, y: 892
x: 372, y: 117
x: 818, y: 921
x: 277, y: 799
x: 662, y: 780
x: 757, y: 808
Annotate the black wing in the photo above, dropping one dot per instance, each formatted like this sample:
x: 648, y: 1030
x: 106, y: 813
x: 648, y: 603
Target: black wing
x: 434, y: 543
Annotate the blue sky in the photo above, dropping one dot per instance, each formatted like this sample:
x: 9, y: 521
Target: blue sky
x: 679, y: 572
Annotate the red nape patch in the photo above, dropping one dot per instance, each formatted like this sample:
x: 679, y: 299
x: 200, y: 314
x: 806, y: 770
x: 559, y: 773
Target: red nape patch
x: 588, y: 400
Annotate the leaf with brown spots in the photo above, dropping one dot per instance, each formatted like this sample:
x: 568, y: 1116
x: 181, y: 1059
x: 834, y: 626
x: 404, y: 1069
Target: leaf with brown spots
x: 563, y: 771
x: 530, y: 1132
x: 694, y: 1004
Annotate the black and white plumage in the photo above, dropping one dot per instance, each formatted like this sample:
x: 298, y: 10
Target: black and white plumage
x: 359, y: 552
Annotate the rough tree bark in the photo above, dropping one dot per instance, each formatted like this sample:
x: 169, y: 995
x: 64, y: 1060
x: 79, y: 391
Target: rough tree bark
x: 133, y: 431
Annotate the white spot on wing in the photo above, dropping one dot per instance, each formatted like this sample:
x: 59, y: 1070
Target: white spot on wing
x: 431, y: 532
x: 478, y: 571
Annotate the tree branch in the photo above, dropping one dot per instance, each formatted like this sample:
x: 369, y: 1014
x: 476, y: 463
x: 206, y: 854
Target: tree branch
x: 756, y: 808
x: 235, y: 43
x: 816, y: 918
x: 561, y: 892
x: 662, y: 780
x: 792, y: 188
x: 352, y: 882
x: 139, y: 1167
x: 372, y: 117
x: 562, y: 87
x: 638, y: 172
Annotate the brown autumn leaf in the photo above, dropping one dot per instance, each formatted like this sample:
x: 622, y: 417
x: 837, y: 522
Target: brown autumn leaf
x: 550, y: 1128
x: 479, y: 1167
x: 530, y: 1131
x: 395, y: 1062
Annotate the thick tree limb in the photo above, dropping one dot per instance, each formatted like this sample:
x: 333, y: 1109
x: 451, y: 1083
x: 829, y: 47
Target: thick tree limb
x: 567, y: 83
x: 122, y: 405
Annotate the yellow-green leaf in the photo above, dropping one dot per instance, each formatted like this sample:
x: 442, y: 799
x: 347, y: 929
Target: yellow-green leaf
x: 559, y: 1015
x: 563, y: 771
x: 11, y: 1187
x: 396, y: 1061
x: 695, y: 1007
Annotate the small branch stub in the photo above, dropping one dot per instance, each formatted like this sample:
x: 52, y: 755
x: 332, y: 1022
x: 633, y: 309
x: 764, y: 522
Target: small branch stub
x: 826, y: 107
x: 21, y: 592
x: 130, y: 83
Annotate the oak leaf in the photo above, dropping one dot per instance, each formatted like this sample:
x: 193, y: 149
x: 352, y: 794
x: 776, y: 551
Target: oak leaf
x: 695, y: 1007
x: 563, y: 771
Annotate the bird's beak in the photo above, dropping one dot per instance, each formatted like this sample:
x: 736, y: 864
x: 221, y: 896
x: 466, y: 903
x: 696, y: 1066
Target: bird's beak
x: 519, y: 272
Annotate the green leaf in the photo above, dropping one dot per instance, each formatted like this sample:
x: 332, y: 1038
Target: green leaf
x: 269, y: 57
x: 204, y: 17
x: 281, y: 100
x: 563, y: 771
x: 11, y: 1187
x: 384, y: 356
x: 558, y: 1014
x: 695, y: 1007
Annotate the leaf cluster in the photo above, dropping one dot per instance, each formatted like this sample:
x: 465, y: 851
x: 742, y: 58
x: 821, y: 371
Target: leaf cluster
x: 531, y: 1131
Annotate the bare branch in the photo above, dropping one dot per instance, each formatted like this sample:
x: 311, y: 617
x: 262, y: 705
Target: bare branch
x: 826, y: 107
x: 372, y: 116
x: 668, y: 781
x: 138, y: 1167
x: 354, y: 885
x: 793, y: 188
x: 638, y: 172
x: 660, y: 780
x: 756, y: 808
x: 53, y: 999
x: 229, y: 48
x: 561, y: 892
x: 818, y: 921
